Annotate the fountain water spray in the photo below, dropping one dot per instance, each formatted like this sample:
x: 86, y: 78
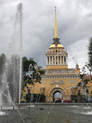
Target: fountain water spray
x: 19, y: 7
x: 12, y: 70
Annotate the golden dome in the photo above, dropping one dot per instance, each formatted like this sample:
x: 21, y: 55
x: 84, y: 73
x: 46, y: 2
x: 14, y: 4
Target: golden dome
x: 54, y: 45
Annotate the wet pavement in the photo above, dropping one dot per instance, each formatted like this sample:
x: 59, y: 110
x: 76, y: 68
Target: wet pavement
x: 48, y: 114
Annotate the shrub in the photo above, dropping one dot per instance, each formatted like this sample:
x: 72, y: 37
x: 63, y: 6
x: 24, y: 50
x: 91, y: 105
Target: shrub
x: 36, y: 97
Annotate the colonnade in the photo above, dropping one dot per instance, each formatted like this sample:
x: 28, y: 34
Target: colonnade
x: 56, y: 60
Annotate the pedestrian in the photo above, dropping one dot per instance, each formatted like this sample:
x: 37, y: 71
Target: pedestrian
x: 62, y: 100
x: 88, y: 100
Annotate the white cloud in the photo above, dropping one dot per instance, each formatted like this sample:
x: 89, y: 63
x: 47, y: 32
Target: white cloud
x: 78, y: 53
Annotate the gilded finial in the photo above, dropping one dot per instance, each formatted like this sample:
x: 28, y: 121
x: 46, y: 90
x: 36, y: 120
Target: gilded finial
x: 55, y: 8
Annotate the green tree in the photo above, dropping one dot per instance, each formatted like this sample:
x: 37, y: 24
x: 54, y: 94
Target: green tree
x: 2, y: 66
x: 37, y: 72
x: 88, y: 66
x: 34, y: 71
x: 90, y: 55
x: 26, y: 63
x: 2, y: 62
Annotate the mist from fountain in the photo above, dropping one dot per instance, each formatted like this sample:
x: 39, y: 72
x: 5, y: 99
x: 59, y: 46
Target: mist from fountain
x: 12, y: 70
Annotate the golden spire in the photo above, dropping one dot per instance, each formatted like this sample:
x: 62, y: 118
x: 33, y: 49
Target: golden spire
x: 56, y: 29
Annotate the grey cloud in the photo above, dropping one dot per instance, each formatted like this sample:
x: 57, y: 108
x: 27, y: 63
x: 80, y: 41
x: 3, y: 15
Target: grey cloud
x: 73, y: 18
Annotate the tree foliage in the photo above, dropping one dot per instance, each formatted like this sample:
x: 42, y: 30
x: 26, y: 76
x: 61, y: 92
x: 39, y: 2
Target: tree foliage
x: 2, y: 62
x: 26, y: 63
x: 90, y: 54
x: 37, y: 72
x: 88, y: 65
x: 34, y: 72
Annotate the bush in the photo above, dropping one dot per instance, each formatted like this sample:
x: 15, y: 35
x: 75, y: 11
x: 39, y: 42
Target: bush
x: 83, y: 98
x: 74, y: 98
x: 36, y: 97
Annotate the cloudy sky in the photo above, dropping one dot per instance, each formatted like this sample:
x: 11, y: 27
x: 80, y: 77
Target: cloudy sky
x: 74, y: 19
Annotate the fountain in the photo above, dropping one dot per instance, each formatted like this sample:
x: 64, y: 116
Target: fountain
x: 11, y: 78
x: 12, y: 70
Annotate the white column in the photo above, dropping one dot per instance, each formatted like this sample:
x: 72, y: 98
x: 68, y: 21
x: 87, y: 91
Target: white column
x: 55, y: 60
x: 52, y: 60
x: 63, y: 60
x: 49, y: 60
x: 60, y: 60
x: 66, y: 59
x: 46, y: 60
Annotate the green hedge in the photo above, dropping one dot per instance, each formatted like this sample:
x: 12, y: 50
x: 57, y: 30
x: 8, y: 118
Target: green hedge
x: 35, y: 98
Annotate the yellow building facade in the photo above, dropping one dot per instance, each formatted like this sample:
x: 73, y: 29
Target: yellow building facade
x: 58, y: 78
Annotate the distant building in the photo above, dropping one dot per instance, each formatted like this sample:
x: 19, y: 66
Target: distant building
x: 58, y: 80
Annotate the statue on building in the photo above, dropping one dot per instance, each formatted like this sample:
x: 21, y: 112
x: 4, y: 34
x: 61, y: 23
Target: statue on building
x: 77, y: 66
